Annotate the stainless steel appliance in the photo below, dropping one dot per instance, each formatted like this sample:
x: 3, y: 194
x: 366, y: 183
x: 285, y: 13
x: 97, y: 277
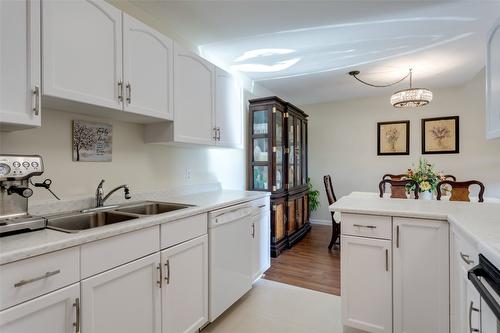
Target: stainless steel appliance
x: 485, y: 278
x: 15, y: 173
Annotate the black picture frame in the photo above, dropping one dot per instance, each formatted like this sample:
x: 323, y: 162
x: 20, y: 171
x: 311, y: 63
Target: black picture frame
x: 379, y: 146
x: 425, y: 121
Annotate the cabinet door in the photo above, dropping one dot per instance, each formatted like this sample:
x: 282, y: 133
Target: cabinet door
x: 228, y: 110
x: 421, y: 275
x: 82, y: 51
x: 125, y: 299
x: 185, y: 287
x: 291, y: 151
x: 194, y: 82
x: 292, y: 216
x: 493, y: 83
x: 278, y: 221
x: 366, y: 284
x: 20, y: 64
x: 52, y: 313
x: 147, y: 70
x: 261, y: 233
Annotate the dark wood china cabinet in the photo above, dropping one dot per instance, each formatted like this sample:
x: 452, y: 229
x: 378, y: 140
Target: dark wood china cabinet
x: 277, y: 158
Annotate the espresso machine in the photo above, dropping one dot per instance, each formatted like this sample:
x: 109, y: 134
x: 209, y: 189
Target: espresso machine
x: 15, y: 174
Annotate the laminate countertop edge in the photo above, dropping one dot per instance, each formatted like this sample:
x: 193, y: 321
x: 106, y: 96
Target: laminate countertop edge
x: 31, y: 244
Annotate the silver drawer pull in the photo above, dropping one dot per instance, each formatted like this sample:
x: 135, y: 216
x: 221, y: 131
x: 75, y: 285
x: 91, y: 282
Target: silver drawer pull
x: 41, y: 277
x: 262, y: 206
x: 365, y: 226
x: 466, y: 258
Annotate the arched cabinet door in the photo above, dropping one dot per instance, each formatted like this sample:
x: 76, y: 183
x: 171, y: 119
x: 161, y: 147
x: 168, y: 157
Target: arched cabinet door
x: 147, y: 68
x: 82, y: 52
x: 194, y: 88
x: 493, y: 83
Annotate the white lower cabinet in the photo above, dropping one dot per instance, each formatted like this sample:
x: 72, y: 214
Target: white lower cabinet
x: 55, y: 312
x: 185, y: 286
x: 366, y: 287
x: 126, y: 299
x: 421, y: 276
x: 261, y: 238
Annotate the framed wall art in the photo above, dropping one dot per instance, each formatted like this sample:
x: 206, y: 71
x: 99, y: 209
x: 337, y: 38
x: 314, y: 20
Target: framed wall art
x: 440, y: 135
x: 92, y: 142
x: 393, y: 138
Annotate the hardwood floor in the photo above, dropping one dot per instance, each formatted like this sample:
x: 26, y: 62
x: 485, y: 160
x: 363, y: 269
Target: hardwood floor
x: 309, y: 264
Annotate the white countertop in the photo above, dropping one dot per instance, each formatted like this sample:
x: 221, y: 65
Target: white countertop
x: 479, y: 222
x: 25, y: 245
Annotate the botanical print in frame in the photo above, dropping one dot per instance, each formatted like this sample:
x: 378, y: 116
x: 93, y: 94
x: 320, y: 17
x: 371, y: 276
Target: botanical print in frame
x: 393, y: 138
x: 440, y: 135
x: 92, y: 142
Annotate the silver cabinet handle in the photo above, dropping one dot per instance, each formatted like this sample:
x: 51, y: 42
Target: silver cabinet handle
x: 160, y: 279
x: 253, y: 230
x: 365, y: 226
x: 120, y: 91
x: 38, y: 278
x: 262, y: 206
x: 466, y: 258
x: 218, y: 133
x: 215, y: 133
x: 397, y: 236
x: 167, y: 266
x: 36, y: 96
x: 386, y: 260
x: 472, y: 308
x: 76, y: 324
x: 128, y: 86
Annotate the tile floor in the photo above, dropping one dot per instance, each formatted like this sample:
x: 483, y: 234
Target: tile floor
x: 273, y: 307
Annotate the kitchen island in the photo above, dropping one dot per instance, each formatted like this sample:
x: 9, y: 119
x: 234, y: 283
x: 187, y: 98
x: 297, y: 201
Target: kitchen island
x: 404, y: 262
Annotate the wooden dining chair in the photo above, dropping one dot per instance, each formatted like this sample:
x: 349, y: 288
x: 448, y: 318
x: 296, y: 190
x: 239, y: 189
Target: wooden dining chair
x: 398, y: 188
x: 331, y: 199
x: 460, y: 190
x: 394, y: 177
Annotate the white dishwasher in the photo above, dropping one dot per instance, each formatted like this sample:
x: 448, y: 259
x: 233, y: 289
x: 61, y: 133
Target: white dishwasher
x: 230, y: 263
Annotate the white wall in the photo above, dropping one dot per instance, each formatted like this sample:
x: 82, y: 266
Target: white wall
x: 343, y: 141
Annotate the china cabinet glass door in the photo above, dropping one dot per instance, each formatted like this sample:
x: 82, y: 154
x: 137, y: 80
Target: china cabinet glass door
x: 260, y: 150
x: 291, y: 151
x: 278, y: 150
x: 298, y: 152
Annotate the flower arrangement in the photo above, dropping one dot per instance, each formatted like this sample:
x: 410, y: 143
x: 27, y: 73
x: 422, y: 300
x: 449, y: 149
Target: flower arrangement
x: 425, y: 176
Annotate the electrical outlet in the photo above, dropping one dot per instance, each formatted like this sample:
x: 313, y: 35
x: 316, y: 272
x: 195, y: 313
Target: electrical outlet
x: 187, y: 174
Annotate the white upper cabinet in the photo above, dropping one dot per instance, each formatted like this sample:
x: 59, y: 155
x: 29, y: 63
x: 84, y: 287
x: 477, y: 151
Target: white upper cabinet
x: 193, y: 98
x: 147, y: 69
x: 82, y: 51
x: 421, y: 275
x: 20, y: 64
x: 493, y: 83
x: 228, y: 110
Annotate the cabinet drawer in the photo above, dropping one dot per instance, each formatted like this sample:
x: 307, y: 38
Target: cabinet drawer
x: 30, y: 278
x: 373, y: 226
x: 182, y: 230
x: 111, y: 252
x: 260, y: 206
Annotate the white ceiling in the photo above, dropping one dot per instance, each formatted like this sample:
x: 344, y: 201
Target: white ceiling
x: 302, y: 50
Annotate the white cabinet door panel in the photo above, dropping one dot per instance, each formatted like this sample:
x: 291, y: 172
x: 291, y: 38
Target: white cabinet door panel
x: 421, y: 275
x: 228, y: 110
x: 147, y: 67
x: 19, y: 64
x: 126, y: 299
x: 82, y: 51
x: 185, y: 287
x: 51, y: 313
x: 193, y: 98
x: 493, y: 83
x: 366, y: 284
x: 261, y: 238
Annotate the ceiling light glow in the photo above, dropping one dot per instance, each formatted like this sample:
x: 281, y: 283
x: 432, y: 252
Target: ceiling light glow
x: 260, y: 68
x: 262, y: 53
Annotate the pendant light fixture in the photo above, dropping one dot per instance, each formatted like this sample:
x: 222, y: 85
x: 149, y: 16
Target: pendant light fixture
x: 407, y: 98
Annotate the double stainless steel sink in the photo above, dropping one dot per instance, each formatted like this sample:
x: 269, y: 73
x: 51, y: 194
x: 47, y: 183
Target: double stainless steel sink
x: 78, y: 221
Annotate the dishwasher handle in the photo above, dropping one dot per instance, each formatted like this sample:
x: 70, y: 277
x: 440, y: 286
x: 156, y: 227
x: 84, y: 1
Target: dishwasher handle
x: 231, y: 216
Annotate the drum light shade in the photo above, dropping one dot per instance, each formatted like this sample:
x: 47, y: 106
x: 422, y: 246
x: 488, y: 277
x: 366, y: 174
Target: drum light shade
x: 411, y: 98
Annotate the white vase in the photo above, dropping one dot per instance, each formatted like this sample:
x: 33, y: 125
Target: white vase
x: 427, y: 195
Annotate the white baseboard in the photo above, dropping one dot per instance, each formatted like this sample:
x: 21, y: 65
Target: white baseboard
x: 321, y: 222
